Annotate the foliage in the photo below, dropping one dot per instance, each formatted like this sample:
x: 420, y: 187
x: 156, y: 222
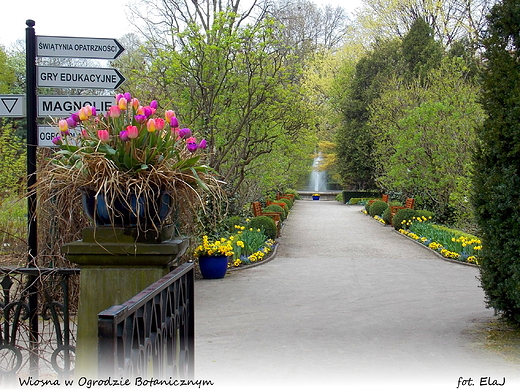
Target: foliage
x: 288, y: 202
x: 497, y: 168
x: 7, y: 75
x: 12, y: 162
x: 265, y: 224
x: 424, y: 137
x: 377, y: 208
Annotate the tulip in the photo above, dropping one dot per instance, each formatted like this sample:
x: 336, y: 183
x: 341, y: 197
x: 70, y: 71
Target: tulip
x: 83, y: 114
x: 94, y: 111
x: 123, y: 135
x: 159, y: 123
x: 103, y: 135
x: 127, y: 96
x: 114, y: 112
x: 184, y: 133
x: 122, y: 104
x: 174, y: 122
x: 71, y: 122
x: 203, y: 144
x: 147, y: 111
x: 169, y: 114
x: 132, y: 132
x: 154, y: 104
x: 175, y: 132
x: 135, y: 103
x: 191, y: 144
x: 57, y: 140
x: 150, y: 125
x: 64, y: 126
x: 84, y: 133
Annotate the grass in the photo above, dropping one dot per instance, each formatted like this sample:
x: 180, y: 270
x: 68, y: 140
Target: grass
x: 13, y: 226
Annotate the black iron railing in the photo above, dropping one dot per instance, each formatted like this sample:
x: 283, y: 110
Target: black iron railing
x: 152, y: 334
x: 29, y: 334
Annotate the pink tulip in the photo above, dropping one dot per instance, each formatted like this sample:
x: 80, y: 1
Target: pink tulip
x: 83, y: 113
x: 169, y: 114
x: 132, y: 132
x: 64, y: 126
x: 159, y: 123
x: 103, y: 135
x: 135, y: 103
x: 114, y: 112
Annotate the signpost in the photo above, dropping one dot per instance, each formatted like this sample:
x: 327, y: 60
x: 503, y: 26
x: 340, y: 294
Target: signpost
x: 67, y: 77
x: 77, y: 47
x: 61, y: 106
x: 12, y: 106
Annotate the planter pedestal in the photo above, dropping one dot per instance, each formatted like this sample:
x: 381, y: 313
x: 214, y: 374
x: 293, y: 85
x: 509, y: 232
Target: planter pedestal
x: 114, y: 268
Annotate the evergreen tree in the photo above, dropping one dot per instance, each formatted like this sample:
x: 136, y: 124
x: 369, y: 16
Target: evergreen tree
x: 497, y: 159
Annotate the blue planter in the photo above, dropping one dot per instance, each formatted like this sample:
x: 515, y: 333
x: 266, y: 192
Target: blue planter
x: 135, y: 210
x: 213, y: 267
x: 315, y: 198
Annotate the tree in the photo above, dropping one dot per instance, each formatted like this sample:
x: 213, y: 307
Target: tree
x: 356, y: 90
x: 424, y: 135
x: 497, y: 162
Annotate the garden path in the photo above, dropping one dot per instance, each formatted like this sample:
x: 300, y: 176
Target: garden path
x: 346, y: 303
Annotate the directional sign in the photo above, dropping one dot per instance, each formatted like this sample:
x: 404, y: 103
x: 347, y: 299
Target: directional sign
x: 77, y: 47
x: 67, y: 77
x: 61, y: 106
x: 46, y: 135
x: 12, y: 106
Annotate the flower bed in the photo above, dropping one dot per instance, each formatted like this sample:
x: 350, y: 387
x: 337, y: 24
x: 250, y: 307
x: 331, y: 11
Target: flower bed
x: 249, y: 246
x: 450, y: 243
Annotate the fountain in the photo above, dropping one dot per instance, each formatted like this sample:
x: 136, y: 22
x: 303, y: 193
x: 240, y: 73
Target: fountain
x: 318, y: 182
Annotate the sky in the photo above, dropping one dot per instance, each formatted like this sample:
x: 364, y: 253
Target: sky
x: 93, y: 18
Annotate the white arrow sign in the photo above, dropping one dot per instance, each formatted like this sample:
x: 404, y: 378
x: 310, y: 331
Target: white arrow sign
x: 77, y: 47
x: 66, y: 77
x: 12, y: 106
x: 61, y: 106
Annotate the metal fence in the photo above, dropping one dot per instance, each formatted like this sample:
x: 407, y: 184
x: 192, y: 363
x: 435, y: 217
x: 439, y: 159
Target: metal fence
x: 35, y: 323
x: 152, y: 334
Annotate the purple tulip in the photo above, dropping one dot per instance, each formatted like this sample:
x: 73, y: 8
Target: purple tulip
x: 185, y: 133
x: 174, y: 122
x: 94, y: 111
x: 147, y: 111
x: 72, y: 122
x: 127, y: 96
x: 154, y: 104
x: 118, y: 96
x: 140, y: 118
x: 203, y: 144
x: 123, y: 136
x: 57, y: 140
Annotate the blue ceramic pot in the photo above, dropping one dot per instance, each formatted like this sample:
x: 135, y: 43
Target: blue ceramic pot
x: 145, y: 211
x: 213, y: 267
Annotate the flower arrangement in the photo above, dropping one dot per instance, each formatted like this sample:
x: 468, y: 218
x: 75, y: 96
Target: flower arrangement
x: 221, y: 247
x: 249, y: 245
x: 130, y: 149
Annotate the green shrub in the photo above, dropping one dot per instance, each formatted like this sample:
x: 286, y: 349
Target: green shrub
x: 276, y: 209
x: 377, y: 208
x: 265, y: 224
x: 402, y: 217
x: 424, y: 213
x: 293, y: 192
x: 230, y: 223
x: 288, y: 202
